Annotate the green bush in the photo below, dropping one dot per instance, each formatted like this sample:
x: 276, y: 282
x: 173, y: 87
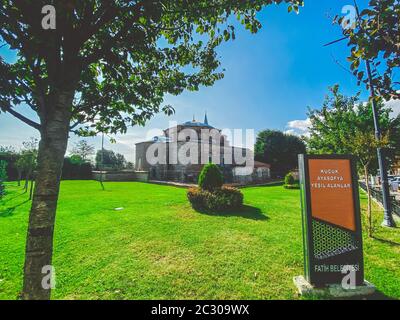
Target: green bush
x: 220, y: 200
x: 289, y: 179
x: 292, y: 186
x: 291, y: 182
x: 73, y: 168
x: 3, y: 177
x: 210, y: 177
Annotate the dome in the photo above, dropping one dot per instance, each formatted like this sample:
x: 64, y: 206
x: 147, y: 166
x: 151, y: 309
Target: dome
x: 195, y: 123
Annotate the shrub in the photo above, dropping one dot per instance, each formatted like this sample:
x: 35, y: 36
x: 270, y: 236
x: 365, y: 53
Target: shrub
x: 289, y: 179
x: 219, y: 200
x: 210, y: 177
x: 292, y: 186
x: 75, y: 170
x: 3, y: 177
x: 290, y: 182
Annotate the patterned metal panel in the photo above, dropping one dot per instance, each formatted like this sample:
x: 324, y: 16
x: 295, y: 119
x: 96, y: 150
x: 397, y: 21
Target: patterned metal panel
x: 330, y: 241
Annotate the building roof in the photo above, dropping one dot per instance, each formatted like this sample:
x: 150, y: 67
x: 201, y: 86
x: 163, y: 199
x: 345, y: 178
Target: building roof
x: 259, y: 164
x: 195, y: 123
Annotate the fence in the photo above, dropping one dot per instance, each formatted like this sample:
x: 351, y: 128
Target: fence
x: 377, y: 195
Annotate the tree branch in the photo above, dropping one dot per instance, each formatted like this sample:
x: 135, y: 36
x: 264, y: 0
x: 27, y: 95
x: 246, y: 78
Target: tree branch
x: 23, y: 118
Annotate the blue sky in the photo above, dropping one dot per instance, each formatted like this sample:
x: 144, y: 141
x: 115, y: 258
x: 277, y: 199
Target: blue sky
x: 270, y: 80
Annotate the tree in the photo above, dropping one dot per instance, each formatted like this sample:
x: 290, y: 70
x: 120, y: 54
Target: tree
x: 26, y: 162
x: 120, y: 161
x: 339, y: 120
x: 376, y: 37
x: 83, y: 150
x: 278, y: 149
x: 76, y: 159
x: 344, y: 125
x: 107, y: 159
x: 105, y: 66
x: 363, y: 145
x: 9, y: 155
x: 211, y: 177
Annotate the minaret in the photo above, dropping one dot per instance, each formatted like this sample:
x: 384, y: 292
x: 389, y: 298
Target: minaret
x: 205, y: 118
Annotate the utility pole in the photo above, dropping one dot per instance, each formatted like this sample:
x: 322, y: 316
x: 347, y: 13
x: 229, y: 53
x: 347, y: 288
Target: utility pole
x: 102, y: 161
x: 388, y: 220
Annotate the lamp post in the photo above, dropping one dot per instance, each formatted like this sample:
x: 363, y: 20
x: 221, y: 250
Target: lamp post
x: 102, y: 161
x: 388, y: 220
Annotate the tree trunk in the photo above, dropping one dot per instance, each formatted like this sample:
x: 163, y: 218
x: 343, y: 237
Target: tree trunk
x: 369, y: 209
x: 31, y: 189
x: 19, y: 177
x: 28, y: 174
x: 39, y: 243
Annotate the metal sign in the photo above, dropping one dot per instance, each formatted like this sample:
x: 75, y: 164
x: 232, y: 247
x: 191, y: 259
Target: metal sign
x: 331, y: 219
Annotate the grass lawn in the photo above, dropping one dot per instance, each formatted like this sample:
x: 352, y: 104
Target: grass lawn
x: 157, y: 247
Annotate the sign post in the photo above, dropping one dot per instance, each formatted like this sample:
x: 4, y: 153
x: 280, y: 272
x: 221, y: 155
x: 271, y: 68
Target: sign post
x: 331, y: 220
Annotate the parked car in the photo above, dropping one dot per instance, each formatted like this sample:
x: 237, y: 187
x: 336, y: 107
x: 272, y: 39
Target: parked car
x: 394, y: 184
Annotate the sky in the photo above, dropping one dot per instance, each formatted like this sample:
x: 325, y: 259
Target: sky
x: 271, y: 79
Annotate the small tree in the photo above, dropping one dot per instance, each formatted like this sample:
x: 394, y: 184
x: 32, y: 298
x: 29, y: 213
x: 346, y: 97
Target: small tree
x: 83, y: 149
x: 3, y: 177
x: 210, y: 178
x: 120, y: 161
x: 289, y: 179
x: 27, y: 159
x: 363, y: 145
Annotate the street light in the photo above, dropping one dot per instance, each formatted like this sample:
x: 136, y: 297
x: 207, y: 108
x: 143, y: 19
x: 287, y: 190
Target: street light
x: 388, y: 220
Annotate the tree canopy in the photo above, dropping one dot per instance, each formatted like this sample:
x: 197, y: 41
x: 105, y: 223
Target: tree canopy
x: 344, y: 126
x: 108, y: 159
x: 376, y: 37
x: 278, y: 149
x: 119, y: 58
x: 83, y: 149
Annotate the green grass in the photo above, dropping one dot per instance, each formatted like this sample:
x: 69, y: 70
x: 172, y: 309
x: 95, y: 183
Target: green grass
x: 159, y: 248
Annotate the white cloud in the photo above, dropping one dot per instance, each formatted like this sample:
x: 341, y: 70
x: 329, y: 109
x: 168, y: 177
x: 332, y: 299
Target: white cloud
x: 395, y: 105
x: 298, y: 127
x: 301, y: 127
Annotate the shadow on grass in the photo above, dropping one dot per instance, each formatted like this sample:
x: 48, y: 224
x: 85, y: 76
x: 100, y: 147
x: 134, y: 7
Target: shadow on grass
x: 377, y: 295
x: 247, y: 212
x: 389, y: 242
x: 13, y: 197
x: 264, y: 185
x: 10, y: 211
